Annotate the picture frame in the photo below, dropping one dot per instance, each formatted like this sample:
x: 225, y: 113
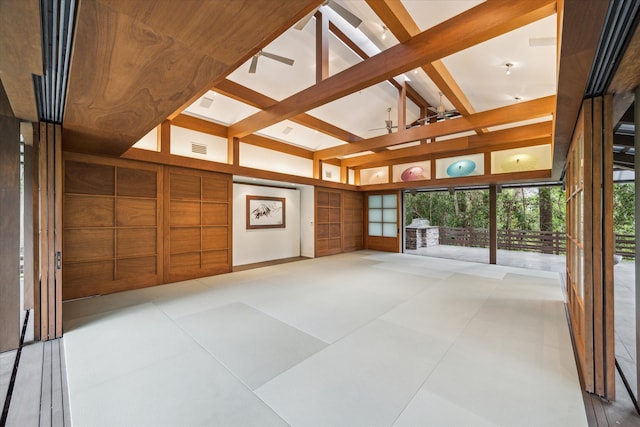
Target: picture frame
x: 266, y: 212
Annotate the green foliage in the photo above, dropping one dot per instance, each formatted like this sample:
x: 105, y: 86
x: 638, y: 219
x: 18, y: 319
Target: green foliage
x: 624, y: 208
x: 518, y: 208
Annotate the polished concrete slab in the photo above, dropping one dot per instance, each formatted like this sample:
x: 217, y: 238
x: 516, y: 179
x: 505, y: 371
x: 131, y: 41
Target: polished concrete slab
x: 358, y: 339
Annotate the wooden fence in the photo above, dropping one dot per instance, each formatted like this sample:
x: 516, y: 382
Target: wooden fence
x: 546, y: 242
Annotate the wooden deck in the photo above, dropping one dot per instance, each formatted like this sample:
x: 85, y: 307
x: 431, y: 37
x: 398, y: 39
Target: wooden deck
x: 599, y: 412
x: 39, y: 396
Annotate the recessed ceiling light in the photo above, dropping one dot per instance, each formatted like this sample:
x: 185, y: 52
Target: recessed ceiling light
x: 206, y: 102
x: 384, y: 32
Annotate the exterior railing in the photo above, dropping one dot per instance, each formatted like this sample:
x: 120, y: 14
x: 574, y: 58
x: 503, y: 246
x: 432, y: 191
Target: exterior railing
x: 546, y: 242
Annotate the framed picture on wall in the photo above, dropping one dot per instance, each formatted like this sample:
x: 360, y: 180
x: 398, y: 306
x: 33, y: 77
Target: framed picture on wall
x: 265, y: 212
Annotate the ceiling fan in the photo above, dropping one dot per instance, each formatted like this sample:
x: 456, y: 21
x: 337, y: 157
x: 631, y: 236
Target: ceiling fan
x: 344, y: 13
x: 254, y: 60
x: 388, y: 123
x: 441, y: 112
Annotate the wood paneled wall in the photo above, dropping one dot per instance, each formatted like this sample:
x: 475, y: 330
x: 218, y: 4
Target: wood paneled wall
x: 339, y: 221
x: 112, y: 221
x: 130, y: 224
x: 197, y: 231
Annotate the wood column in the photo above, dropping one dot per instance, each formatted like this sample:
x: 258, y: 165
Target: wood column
x: 28, y: 217
x: 9, y: 226
x: 48, y: 310
x: 493, y: 224
x: 322, y: 47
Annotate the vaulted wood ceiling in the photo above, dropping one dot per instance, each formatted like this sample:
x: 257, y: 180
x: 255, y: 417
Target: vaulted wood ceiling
x: 138, y: 63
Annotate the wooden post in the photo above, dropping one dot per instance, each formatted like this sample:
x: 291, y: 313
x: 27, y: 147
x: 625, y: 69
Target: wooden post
x: 322, y: 47
x: 493, y: 224
x: 9, y: 226
x: 233, y: 151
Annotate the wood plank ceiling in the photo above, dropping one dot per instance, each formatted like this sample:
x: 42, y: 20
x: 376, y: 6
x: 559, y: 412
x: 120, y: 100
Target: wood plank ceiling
x: 136, y: 62
x: 148, y: 61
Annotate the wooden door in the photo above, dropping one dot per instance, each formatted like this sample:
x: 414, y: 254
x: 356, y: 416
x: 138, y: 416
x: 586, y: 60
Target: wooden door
x: 383, y: 221
x: 328, y: 222
x: 197, y: 231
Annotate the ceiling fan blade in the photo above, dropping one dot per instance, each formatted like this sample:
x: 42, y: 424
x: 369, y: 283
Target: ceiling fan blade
x: 254, y: 64
x: 278, y: 58
x: 345, y: 14
x: 304, y: 21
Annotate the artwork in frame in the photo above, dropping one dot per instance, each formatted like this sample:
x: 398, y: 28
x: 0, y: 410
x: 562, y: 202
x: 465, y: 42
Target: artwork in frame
x: 265, y: 212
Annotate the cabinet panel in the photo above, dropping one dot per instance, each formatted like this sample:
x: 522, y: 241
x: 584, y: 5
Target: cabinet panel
x: 134, y: 242
x: 136, y: 212
x: 88, y: 211
x: 136, y: 182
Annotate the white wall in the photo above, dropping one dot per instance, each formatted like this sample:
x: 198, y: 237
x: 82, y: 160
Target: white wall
x: 307, y: 215
x: 251, y: 246
x: 181, y: 139
x: 262, y: 158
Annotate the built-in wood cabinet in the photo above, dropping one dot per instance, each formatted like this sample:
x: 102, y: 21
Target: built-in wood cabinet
x: 339, y: 221
x: 198, y: 226
x: 111, y: 236
x: 353, y: 218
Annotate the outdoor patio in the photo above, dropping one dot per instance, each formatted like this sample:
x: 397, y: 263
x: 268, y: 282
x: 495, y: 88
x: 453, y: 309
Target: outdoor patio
x: 624, y: 289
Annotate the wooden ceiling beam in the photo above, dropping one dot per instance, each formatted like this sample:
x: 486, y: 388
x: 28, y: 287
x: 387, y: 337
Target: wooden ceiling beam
x: 546, y: 140
x: 510, y: 114
x: 255, y: 99
x: 412, y: 94
x: 481, y: 23
x: 322, y: 46
x: 490, y: 139
x: 399, y: 21
x: 200, y: 125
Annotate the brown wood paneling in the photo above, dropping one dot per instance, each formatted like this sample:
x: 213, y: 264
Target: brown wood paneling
x: 135, y: 242
x: 353, y: 214
x: 134, y: 267
x: 185, y: 239
x: 184, y: 263
x: 126, y: 47
x: 136, y: 182
x: 87, y: 178
x: 215, y: 188
x: 136, y: 212
x: 111, y: 232
x: 88, y: 243
x: 183, y: 186
x: 328, y: 222
x: 214, y: 238
x: 198, y: 224
x: 185, y: 213
x: 88, y: 211
x: 86, y: 273
x: 215, y: 214
x: 216, y: 259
